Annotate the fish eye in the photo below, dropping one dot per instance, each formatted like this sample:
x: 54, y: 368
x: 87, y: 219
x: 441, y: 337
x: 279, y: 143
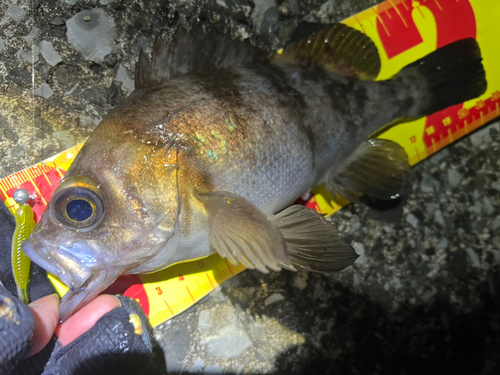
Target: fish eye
x: 78, y: 207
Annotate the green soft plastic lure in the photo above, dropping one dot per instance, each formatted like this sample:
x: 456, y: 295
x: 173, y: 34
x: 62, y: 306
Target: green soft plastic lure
x: 21, y: 264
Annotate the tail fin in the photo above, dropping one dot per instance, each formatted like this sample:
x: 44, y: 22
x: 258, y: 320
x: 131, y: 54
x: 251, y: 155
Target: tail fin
x: 451, y: 75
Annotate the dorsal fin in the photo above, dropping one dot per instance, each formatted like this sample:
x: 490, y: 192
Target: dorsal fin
x: 192, y: 51
x: 336, y: 48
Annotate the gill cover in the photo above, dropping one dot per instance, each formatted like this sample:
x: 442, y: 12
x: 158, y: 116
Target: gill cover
x: 77, y: 204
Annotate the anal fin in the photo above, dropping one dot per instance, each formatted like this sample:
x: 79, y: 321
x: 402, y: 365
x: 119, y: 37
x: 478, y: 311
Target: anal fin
x: 312, y: 243
x: 377, y: 168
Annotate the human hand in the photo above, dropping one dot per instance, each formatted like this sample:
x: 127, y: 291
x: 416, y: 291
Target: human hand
x: 46, y: 313
x: 110, y: 335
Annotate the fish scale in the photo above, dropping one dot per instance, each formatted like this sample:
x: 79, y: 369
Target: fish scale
x: 170, y: 291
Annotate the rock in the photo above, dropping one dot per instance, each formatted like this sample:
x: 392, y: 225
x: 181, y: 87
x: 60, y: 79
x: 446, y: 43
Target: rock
x: 476, y: 262
x: 20, y: 76
x: 2, y: 45
x: 204, y: 320
x: 318, y: 291
x: 412, y: 220
x: 429, y: 294
x: 275, y: 297
x: 89, y: 123
x: 429, y: 184
x: 123, y: 77
x: 44, y: 91
x: 454, y: 177
x: 71, y: 90
x: 57, y: 21
x: 16, y: 13
x: 222, y: 3
x: 481, y: 137
x: 92, y: 33
x: 32, y: 36
x: 360, y: 250
x: 198, y: 365
x: 65, y: 138
x: 495, y: 241
x: 70, y: 2
x: 50, y: 54
x: 439, y: 156
x: 212, y: 369
x: 397, y: 282
x: 300, y: 280
x: 96, y: 95
x: 488, y: 207
x: 111, y: 60
x: 57, y: 32
x: 106, y: 2
x: 6, y: 132
x: 328, y: 6
x: 355, y: 280
x: 442, y: 244
x: 264, y: 17
x: 63, y: 76
x: 495, y: 223
x: 226, y: 336
x: 438, y: 217
x: 28, y: 55
x: 176, y: 347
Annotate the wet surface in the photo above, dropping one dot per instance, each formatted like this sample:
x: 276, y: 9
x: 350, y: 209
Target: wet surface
x: 422, y: 297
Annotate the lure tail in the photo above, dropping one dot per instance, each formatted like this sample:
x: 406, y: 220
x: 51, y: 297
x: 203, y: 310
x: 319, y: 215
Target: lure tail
x: 20, y: 262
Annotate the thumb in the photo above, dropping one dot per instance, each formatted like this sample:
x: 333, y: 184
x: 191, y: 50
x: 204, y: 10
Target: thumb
x: 46, y: 313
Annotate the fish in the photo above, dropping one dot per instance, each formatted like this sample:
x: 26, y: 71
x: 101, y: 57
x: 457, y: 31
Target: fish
x: 218, y: 140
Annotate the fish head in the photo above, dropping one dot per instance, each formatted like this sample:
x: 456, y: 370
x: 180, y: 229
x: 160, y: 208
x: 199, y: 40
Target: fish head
x: 102, y: 222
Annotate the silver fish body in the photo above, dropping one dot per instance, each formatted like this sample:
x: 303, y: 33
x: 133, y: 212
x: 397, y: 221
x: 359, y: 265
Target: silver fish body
x: 197, y: 164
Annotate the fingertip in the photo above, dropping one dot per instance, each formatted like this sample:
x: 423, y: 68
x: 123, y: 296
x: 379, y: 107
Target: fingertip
x: 46, y: 313
x: 85, y: 318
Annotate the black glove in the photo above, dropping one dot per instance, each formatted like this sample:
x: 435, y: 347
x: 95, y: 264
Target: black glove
x: 16, y: 330
x: 119, y: 343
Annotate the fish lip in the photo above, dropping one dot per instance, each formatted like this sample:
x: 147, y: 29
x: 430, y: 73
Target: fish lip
x: 43, y: 258
x: 40, y: 257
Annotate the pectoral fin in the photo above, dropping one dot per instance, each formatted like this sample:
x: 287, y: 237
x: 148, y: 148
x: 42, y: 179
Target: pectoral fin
x: 312, y: 243
x: 240, y: 232
x: 377, y: 168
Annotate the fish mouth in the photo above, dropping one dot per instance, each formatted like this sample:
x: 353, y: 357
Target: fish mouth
x: 61, y: 263
x: 76, y: 267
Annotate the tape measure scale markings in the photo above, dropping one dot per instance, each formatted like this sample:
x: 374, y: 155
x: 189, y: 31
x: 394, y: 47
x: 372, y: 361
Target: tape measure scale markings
x: 40, y: 180
x: 403, y: 31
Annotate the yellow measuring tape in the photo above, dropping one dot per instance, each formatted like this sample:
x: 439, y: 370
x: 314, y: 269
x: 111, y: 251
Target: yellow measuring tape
x: 403, y: 31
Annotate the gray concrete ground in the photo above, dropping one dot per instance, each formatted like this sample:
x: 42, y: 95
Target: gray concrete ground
x: 423, y: 296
